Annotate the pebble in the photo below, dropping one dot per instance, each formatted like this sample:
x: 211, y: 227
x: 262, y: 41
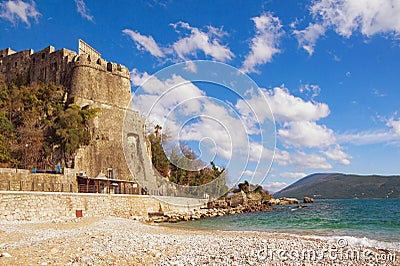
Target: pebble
x: 129, y: 242
x: 5, y: 255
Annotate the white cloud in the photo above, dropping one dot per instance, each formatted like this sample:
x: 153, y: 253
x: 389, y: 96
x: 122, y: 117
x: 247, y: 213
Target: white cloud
x: 378, y: 93
x: 248, y: 173
x: 138, y: 78
x: 83, y: 10
x: 345, y: 17
x: 395, y: 124
x: 264, y: 44
x: 274, y: 186
x: 370, y: 17
x: 191, y: 66
x: 310, y: 88
x: 367, y: 137
x: 301, y: 160
x: 294, y: 175
x: 206, y: 41
x: 307, y: 134
x: 19, y: 10
x: 287, y: 107
x: 308, y: 37
x: 336, y: 153
x: 282, y: 157
x: 145, y: 43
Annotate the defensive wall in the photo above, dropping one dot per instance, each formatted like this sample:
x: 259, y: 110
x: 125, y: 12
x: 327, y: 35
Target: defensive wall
x: 95, y: 83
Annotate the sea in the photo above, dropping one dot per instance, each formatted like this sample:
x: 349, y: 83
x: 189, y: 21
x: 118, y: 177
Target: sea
x: 366, y: 222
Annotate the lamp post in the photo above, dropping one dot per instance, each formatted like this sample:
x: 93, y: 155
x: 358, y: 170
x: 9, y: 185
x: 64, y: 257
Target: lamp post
x: 26, y: 155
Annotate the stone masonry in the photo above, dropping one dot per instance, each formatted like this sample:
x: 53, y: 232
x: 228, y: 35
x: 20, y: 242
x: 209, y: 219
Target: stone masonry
x: 37, y: 206
x: 95, y: 83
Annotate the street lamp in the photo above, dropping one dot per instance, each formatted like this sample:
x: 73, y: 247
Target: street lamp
x: 26, y: 155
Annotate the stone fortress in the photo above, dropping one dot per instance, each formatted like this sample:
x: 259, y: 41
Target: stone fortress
x: 95, y: 83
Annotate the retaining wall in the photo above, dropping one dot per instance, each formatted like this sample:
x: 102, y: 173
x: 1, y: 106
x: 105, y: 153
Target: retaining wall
x: 40, y: 206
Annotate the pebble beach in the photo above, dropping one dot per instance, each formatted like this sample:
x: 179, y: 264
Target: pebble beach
x: 121, y: 241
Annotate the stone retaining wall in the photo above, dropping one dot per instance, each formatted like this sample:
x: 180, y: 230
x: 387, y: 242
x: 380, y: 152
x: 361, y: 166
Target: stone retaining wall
x: 40, y: 206
x: 24, y: 180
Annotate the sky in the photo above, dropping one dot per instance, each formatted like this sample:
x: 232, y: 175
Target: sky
x: 327, y: 69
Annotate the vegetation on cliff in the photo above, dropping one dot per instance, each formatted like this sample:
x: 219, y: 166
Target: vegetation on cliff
x: 40, y: 126
x: 168, y: 168
x: 335, y: 185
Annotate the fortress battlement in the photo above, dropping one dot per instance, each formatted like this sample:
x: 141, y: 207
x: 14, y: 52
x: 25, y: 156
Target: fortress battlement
x: 50, y: 65
x: 94, y: 83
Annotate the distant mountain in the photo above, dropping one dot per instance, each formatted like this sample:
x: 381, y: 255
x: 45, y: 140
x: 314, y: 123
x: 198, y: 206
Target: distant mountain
x: 335, y: 185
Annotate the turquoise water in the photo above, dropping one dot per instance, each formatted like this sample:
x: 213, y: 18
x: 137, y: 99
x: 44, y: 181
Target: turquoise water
x: 377, y: 220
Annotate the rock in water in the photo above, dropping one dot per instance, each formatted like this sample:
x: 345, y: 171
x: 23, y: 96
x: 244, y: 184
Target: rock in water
x: 308, y: 200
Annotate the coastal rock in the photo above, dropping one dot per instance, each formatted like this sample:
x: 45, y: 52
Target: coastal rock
x: 285, y: 201
x: 236, y: 199
x: 273, y: 202
x: 308, y: 200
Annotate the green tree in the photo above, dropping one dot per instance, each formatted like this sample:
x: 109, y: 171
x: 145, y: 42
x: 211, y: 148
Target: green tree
x: 71, y: 130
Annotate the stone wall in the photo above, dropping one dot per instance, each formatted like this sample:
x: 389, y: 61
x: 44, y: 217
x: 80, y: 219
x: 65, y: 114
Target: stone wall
x: 38, y: 206
x: 95, y: 83
x: 24, y: 180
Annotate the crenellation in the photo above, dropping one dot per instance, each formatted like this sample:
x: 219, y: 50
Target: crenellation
x: 50, y: 65
x: 6, y: 52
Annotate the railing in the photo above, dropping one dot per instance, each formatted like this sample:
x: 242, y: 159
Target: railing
x: 83, y: 188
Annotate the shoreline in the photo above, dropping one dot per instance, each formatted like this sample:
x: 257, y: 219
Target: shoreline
x: 308, y: 234
x: 121, y: 241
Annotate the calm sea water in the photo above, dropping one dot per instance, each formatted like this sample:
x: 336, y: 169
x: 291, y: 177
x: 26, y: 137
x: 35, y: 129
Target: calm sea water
x: 370, y: 222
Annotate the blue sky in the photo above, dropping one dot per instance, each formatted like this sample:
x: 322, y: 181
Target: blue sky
x: 329, y: 68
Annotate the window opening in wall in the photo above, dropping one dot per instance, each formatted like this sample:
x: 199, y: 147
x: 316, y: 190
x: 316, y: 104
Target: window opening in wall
x: 109, y: 67
x: 99, y: 61
x: 43, y: 55
x: 15, y: 64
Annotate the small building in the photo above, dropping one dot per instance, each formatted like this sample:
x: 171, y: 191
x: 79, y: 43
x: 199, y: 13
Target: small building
x: 105, y: 184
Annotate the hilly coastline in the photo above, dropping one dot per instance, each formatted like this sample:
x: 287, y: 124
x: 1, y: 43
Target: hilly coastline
x: 337, y: 185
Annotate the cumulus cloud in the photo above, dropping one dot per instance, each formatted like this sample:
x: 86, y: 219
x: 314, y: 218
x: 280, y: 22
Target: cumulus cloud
x: 282, y: 157
x: 308, y: 37
x: 195, y: 40
x: 145, y: 43
x: 207, y: 42
x: 138, y: 78
x: 297, y: 127
x: 336, y: 153
x: 264, y: 45
x: 302, y: 160
x: 369, y: 16
x: 83, y: 10
x: 274, y: 186
x: 19, y: 10
x: 286, y: 107
x: 307, y: 134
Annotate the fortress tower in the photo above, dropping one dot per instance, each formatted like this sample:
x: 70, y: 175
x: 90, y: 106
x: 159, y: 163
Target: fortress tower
x: 95, y: 83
